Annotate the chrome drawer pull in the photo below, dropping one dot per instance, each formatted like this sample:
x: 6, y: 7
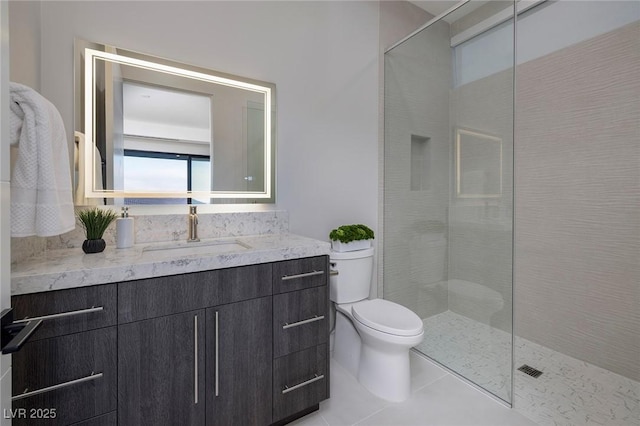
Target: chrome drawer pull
x: 334, y: 272
x: 195, y: 359
x: 26, y: 394
x: 307, y: 321
x: 217, y: 364
x: 63, y: 314
x: 288, y: 389
x: 307, y: 274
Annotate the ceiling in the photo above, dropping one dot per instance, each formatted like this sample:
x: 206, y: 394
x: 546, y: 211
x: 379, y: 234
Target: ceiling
x: 153, y: 104
x: 434, y: 7
x: 437, y: 7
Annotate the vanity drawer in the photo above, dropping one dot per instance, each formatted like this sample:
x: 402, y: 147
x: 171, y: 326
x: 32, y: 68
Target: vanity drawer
x: 71, y: 378
x: 300, y: 380
x: 300, y: 320
x: 298, y: 274
x: 109, y: 419
x: 68, y: 311
x: 155, y: 297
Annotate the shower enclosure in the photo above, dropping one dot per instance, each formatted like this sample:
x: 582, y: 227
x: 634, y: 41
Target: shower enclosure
x: 448, y: 202
x: 511, y: 186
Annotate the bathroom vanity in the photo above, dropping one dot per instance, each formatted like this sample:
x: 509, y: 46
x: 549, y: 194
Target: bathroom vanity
x: 239, y: 338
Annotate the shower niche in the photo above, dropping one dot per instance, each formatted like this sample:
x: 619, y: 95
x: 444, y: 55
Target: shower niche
x: 420, y: 162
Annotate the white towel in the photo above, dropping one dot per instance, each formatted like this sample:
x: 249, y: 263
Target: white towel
x: 41, y: 195
x: 80, y: 147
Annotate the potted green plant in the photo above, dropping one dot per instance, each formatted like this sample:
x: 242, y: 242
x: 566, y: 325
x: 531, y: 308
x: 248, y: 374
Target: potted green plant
x: 351, y: 237
x: 95, y: 221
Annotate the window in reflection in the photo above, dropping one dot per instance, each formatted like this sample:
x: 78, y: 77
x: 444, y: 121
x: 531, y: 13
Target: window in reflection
x: 180, y: 172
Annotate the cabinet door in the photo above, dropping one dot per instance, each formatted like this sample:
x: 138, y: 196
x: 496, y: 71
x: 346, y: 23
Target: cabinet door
x: 239, y: 363
x: 161, y: 371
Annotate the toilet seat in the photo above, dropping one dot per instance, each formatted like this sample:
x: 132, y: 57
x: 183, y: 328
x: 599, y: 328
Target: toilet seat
x: 387, y: 317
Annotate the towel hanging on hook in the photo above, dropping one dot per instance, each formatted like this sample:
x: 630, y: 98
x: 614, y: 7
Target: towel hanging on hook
x: 41, y: 194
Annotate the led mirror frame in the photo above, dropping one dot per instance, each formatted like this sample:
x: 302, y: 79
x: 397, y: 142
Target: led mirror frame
x: 89, y: 88
x: 493, y: 139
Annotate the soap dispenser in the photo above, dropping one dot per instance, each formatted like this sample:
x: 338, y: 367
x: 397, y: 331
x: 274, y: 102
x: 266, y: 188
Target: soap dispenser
x: 124, y: 230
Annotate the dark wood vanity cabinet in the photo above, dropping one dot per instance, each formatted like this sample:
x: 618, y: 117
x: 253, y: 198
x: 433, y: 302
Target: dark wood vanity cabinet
x: 236, y: 346
x: 218, y: 381
x: 300, y: 335
x: 67, y: 372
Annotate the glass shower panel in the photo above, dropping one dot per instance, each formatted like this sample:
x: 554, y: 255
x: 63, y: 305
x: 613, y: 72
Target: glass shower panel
x: 448, y: 185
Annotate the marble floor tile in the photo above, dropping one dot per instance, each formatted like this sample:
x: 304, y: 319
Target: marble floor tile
x: 447, y: 401
x: 438, y: 398
x: 424, y: 372
x: 349, y: 402
x: 476, y: 351
x: 570, y: 392
x: 313, y: 419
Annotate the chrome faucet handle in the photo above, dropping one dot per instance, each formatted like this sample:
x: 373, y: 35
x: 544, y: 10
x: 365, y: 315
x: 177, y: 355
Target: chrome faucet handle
x: 193, y: 224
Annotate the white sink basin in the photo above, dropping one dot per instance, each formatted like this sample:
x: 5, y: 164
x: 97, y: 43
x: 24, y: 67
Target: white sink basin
x: 182, y: 248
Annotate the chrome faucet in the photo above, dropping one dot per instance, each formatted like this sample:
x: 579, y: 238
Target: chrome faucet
x: 193, y: 225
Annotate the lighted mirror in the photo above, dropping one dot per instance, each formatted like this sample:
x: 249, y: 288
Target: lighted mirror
x: 478, y: 165
x: 156, y: 131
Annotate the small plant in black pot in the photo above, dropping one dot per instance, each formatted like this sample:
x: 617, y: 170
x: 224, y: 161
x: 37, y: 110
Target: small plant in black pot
x: 351, y: 237
x: 95, y: 221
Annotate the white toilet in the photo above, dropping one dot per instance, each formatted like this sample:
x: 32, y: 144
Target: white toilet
x: 372, y: 337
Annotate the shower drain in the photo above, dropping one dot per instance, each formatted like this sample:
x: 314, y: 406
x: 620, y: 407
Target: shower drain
x: 530, y: 371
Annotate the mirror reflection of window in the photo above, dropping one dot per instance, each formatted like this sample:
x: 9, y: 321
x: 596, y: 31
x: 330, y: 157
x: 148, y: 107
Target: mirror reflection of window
x: 200, y: 177
x: 170, y: 131
x: 180, y: 172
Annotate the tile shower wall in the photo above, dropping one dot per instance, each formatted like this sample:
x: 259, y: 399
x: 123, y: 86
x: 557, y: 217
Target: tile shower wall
x: 415, y: 218
x: 578, y: 191
x: 480, y: 229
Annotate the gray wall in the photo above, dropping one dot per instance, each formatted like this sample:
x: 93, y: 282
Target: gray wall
x: 24, y: 37
x: 323, y: 57
x: 577, y: 196
x: 416, y: 71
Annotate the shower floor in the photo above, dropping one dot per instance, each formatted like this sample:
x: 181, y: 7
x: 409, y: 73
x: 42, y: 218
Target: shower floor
x: 569, y: 392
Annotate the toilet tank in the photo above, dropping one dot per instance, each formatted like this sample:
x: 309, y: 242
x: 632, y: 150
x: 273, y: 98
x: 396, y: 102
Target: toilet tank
x: 353, y: 281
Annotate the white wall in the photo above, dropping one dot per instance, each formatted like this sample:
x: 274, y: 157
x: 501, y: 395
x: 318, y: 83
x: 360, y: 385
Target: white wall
x: 24, y: 35
x: 322, y: 56
x: 5, y: 246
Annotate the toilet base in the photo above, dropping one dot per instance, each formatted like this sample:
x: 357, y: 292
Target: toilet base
x: 385, y: 374
x: 347, y: 345
x: 378, y: 361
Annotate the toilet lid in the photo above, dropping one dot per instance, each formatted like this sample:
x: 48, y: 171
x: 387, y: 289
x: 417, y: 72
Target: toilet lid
x: 388, y: 317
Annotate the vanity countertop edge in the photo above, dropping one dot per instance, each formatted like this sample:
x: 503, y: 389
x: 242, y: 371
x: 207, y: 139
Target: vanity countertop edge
x: 71, y: 268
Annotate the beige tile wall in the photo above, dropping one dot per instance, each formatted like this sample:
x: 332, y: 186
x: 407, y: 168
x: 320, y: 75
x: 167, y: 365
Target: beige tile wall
x: 578, y: 201
x: 480, y: 229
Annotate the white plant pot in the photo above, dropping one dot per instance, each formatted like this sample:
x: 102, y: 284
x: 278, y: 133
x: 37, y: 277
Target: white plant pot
x: 351, y: 246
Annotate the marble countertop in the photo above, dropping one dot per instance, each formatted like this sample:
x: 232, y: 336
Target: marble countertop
x: 69, y: 268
